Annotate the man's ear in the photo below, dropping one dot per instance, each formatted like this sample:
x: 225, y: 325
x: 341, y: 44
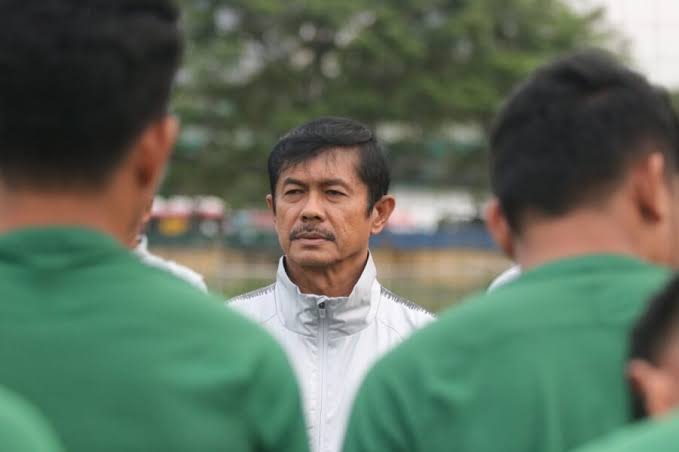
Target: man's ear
x: 499, y: 229
x: 152, y: 151
x: 650, y: 190
x: 655, y: 388
x: 381, y: 212
x: 271, y: 204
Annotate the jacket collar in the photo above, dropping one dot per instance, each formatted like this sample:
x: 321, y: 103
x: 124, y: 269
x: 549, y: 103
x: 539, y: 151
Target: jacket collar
x: 303, y: 313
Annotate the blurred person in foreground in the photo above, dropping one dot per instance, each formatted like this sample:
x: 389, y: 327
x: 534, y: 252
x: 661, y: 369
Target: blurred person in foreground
x: 329, y: 193
x: 139, y: 244
x: 584, y: 167
x: 23, y: 428
x: 118, y: 356
x: 653, y: 373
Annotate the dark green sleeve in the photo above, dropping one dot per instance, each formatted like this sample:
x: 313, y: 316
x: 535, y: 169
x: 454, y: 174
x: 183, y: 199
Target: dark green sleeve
x: 22, y: 428
x: 275, y: 405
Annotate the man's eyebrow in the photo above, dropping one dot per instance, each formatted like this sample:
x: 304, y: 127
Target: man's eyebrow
x: 324, y: 182
x: 293, y: 181
x: 328, y: 182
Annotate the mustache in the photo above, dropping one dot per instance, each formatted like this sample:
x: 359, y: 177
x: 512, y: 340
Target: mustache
x: 310, y: 229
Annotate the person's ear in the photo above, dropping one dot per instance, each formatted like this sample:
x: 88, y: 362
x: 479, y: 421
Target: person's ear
x: 152, y: 151
x: 381, y: 212
x: 655, y: 387
x: 499, y: 229
x: 271, y: 204
x: 650, y: 190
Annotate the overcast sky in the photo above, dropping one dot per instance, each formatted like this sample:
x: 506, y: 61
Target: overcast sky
x: 652, y: 30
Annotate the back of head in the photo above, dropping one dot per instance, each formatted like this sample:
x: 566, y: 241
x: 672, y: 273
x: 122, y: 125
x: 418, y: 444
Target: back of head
x: 566, y: 136
x: 79, y: 81
x: 309, y: 140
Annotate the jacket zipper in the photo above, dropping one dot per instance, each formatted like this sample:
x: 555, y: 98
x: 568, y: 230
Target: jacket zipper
x: 324, y: 333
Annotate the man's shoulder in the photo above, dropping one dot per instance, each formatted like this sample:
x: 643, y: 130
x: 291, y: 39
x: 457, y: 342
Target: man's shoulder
x: 648, y: 436
x: 258, y: 305
x: 401, y: 314
x: 254, y: 296
x: 174, y: 268
x: 403, y: 306
x: 528, y: 312
x: 190, y: 316
x: 540, y: 304
x: 160, y: 296
x: 158, y: 282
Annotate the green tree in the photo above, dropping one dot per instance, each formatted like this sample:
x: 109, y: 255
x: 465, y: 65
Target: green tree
x: 428, y: 74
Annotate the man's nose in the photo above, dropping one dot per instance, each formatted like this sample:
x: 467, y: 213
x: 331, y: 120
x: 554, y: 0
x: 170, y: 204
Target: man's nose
x: 313, y: 208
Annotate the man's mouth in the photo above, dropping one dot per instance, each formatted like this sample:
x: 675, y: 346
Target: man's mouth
x: 312, y: 235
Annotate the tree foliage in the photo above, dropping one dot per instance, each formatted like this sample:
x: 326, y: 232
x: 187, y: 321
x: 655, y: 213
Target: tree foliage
x: 427, y: 74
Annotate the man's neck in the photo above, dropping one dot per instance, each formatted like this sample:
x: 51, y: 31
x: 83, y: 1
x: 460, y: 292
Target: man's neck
x: 337, y: 280
x: 581, y: 233
x: 20, y: 210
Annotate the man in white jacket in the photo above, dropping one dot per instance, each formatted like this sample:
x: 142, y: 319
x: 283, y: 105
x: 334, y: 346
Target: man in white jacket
x: 329, y: 182
x: 138, y: 244
x: 141, y: 250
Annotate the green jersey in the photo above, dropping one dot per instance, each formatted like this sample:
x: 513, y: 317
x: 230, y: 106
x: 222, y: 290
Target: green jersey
x: 22, y: 428
x: 124, y: 357
x: 535, y: 366
x: 649, y: 436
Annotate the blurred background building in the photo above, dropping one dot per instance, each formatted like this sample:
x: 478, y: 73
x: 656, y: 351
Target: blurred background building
x: 427, y: 75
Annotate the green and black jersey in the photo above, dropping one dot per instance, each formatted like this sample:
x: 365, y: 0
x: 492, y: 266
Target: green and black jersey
x: 535, y: 366
x: 123, y: 357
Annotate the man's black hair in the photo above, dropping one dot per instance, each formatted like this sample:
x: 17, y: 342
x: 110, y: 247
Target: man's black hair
x: 311, y: 139
x: 568, y: 134
x: 651, y: 334
x: 79, y: 81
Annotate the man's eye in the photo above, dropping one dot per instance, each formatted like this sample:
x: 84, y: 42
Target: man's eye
x: 334, y: 193
x: 295, y: 191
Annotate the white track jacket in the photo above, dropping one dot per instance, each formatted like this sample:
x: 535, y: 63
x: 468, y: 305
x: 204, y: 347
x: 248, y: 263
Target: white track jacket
x: 332, y: 342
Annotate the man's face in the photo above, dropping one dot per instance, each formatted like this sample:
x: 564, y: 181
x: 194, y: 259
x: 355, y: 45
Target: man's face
x: 321, y: 210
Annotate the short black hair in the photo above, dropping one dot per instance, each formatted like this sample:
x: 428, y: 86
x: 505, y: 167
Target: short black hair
x: 79, y: 81
x: 651, y: 334
x: 311, y: 139
x: 568, y: 134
